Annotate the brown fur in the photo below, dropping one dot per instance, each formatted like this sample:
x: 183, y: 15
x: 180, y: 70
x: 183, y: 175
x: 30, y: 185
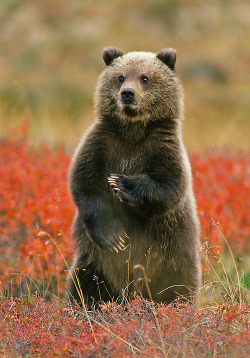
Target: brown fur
x: 147, y: 205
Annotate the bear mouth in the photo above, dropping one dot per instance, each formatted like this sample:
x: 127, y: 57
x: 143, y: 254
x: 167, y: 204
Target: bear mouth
x: 130, y: 109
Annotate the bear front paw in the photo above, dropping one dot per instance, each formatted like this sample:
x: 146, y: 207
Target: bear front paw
x: 108, y: 234
x: 120, y: 186
x: 115, y: 243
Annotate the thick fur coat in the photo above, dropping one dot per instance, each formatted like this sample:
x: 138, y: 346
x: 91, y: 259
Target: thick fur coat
x: 131, y: 181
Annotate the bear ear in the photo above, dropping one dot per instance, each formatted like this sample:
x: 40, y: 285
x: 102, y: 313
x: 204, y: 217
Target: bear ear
x: 110, y: 53
x: 168, y: 56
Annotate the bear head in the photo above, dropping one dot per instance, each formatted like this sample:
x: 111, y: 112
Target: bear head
x: 138, y: 86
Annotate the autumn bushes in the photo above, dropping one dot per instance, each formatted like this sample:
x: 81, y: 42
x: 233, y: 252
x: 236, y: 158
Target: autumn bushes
x: 36, y: 212
x: 222, y: 186
x: 42, y: 329
x: 34, y: 199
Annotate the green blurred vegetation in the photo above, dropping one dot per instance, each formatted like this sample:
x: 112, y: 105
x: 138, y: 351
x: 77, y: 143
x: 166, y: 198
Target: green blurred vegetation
x: 50, y: 59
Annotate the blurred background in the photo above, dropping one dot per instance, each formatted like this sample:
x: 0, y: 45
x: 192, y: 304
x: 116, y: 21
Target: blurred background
x: 51, y: 57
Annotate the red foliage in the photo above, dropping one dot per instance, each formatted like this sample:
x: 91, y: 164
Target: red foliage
x: 222, y: 186
x: 36, y: 213
x: 137, y: 329
x: 36, y: 210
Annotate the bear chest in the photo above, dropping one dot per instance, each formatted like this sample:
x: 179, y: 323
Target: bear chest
x: 124, y: 159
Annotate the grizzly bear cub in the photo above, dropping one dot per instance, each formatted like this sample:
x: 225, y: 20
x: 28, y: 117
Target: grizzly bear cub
x: 130, y: 179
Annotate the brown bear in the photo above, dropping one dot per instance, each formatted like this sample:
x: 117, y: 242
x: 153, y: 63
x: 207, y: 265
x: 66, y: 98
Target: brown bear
x: 136, y: 226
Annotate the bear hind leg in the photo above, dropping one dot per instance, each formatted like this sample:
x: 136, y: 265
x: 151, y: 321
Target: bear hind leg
x: 89, y: 286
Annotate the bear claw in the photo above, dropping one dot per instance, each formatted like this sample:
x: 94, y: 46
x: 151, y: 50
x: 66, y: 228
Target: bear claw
x: 122, y: 238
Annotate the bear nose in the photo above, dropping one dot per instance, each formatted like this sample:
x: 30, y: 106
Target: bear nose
x: 128, y: 95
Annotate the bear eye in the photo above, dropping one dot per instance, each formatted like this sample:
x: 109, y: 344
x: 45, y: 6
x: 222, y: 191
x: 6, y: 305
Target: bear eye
x: 121, y: 79
x: 144, y: 79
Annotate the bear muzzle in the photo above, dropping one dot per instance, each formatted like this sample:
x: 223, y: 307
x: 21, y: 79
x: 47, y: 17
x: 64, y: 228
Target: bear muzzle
x: 128, y: 96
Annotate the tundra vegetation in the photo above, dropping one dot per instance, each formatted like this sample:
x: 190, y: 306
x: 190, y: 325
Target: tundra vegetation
x: 36, y: 212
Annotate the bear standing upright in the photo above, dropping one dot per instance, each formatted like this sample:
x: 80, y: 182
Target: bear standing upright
x: 131, y: 181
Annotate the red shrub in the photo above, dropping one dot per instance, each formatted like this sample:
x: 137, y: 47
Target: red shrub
x: 222, y: 186
x: 137, y: 329
x: 36, y: 210
x: 34, y: 199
